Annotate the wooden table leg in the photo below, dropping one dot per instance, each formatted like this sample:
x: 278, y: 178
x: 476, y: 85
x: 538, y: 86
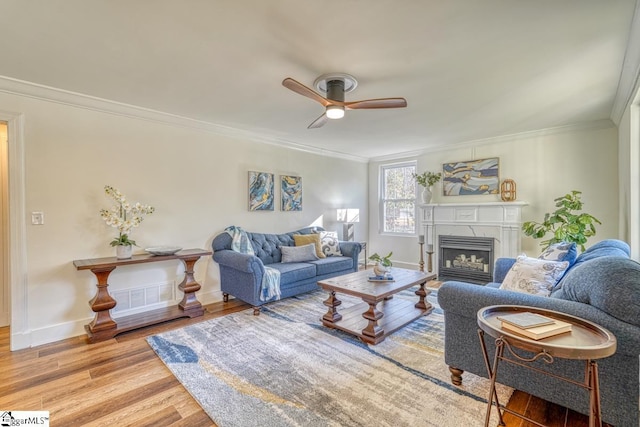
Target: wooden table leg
x: 102, y: 302
x: 189, y: 286
x: 372, y: 330
x: 332, y: 315
x: 422, y: 293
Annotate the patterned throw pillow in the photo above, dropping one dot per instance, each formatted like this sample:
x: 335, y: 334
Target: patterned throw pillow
x: 305, y: 239
x: 329, y: 243
x: 563, y: 251
x: 533, y: 275
x: 299, y: 253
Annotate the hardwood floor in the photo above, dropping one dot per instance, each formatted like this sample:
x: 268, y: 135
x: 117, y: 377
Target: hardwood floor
x: 121, y: 382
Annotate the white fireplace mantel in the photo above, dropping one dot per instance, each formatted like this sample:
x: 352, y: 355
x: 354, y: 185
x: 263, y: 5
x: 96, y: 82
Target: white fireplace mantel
x: 499, y: 220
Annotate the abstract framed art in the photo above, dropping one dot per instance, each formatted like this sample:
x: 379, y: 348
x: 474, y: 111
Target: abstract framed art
x: 261, y: 191
x: 290, y: 193
x: 471, y: 177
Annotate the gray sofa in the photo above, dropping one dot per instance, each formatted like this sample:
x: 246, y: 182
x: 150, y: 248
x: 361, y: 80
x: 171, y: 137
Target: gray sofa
x: 241, y: 274
x: 603, y: 286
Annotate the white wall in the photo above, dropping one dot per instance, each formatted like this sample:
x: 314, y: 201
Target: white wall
x: 629, y: 176
x: 196, y: 180
x: 544, y: 165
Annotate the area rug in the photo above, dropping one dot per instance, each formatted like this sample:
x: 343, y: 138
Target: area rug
x: 283, y: 368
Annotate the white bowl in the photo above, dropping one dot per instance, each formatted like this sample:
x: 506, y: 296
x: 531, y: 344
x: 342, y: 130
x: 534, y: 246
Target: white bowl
x: 163, y: 250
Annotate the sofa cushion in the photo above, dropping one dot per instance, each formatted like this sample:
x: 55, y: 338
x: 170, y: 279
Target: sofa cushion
x: 609, y: 283
x: 294, y: 271
x: 267, y: 246
x: 608, y: 247
x: 332, y: 264
x: 314, y: 238
x: 299, y: 253
x: 329, y: 243
x: 533, y: 275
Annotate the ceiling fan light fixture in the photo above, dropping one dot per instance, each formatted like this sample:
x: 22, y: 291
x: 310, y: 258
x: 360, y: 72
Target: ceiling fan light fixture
x: 335, y: 112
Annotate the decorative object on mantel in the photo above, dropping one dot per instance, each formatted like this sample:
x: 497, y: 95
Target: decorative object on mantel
x: 473, y: 177
x: 382, y: 264
x: 427, y: 180
x: 124, y: 216
x: 508, y: 190
x: 566, y: 224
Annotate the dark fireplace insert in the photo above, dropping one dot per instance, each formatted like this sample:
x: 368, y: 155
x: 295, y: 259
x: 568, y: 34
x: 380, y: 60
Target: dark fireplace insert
x: 467, y: 259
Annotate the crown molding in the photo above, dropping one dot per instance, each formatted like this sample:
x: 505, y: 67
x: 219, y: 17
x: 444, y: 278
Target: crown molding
x: 576, y: 127
x: 629, y: 82
x: 60, y: 96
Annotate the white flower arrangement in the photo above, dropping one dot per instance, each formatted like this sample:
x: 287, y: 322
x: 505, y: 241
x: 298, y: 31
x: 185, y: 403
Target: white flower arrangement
x: 123, y: 216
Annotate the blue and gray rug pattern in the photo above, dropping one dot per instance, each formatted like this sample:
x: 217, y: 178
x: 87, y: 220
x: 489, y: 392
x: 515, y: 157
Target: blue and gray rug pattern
x: 283, y: 368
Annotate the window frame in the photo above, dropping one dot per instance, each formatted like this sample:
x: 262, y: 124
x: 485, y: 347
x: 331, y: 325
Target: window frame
x: 381, y: 199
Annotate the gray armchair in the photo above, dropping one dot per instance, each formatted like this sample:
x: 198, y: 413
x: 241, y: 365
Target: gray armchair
x: 603, y: 286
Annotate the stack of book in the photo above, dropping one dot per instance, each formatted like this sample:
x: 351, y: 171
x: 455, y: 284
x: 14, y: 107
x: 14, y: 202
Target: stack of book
x: 380, y: 278
x: 532, y: 325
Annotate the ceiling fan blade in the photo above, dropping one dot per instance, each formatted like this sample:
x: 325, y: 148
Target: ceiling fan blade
x: 319, y: 122
x: 301, y: 89
x: 376, y: 103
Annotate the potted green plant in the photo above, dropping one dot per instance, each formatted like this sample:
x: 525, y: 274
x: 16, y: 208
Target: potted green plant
x: 382, y: 263
x: 427, y: 179
x: 567, y: 223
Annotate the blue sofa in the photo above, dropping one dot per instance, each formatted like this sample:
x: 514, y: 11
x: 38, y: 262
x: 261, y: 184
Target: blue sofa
x: 241, y: 274
x: 603, y: 286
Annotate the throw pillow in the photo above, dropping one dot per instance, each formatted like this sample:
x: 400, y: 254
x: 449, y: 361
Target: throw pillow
x: 305, y: 239
x: 329, y: 243
x: 533, y: 275
x: 299, y: 253
x: 563, y: 251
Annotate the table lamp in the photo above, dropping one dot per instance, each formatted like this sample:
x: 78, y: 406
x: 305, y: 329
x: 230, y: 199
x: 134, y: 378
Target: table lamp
x: 349, y: 217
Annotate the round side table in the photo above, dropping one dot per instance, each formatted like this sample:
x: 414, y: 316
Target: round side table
x: 587, y: 341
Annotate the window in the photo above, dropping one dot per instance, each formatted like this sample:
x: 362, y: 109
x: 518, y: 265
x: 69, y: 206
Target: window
x: 398, y: 198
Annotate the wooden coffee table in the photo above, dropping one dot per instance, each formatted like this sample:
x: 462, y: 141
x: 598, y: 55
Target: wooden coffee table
x: 380, y: 314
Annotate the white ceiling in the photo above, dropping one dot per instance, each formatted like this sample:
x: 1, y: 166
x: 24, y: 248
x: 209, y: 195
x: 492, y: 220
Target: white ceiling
x: 468, y: 69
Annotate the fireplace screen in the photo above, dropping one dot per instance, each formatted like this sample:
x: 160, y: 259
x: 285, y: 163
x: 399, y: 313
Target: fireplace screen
x: 468, y: 259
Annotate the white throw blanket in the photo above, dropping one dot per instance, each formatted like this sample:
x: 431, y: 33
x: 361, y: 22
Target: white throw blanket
x: 270, y: 286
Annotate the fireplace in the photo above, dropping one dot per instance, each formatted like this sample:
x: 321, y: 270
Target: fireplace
x: 500, y: 222
x: 466, y: 258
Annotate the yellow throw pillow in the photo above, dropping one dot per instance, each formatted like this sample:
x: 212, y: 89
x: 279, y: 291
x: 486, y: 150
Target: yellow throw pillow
x: 305, y: 239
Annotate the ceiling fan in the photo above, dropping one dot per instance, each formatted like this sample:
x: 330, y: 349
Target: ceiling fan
x: 335, y: 85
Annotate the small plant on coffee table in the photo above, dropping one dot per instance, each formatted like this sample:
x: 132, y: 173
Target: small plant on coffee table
x: 383, y: 263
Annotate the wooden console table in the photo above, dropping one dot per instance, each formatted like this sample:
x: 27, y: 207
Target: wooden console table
x: 103, y: 327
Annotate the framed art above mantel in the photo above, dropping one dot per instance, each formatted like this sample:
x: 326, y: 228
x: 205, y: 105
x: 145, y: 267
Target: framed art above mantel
x: 472, y: 177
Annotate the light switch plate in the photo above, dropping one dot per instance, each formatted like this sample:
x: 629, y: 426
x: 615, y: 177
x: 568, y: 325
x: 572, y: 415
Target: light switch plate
x: 37, y: 218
